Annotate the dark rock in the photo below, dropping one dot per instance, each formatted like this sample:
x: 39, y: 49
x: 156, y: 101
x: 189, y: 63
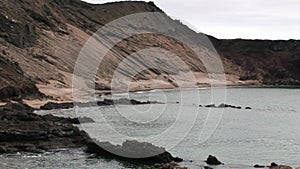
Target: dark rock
x: 259, y: 166
x: 20, y: 34
x: 222, y: 105
x: 132, y: 151
x: 212, y: 160
x: 22, y: 130
x: 211, y: 105
x: 273, y: 165
x: 52, y: 105
x: 276, y: 166
x: 105, y: 102
x: 177, y: 159
x: 15, y: 85
x: 171, y: 165
x: 207, y: 167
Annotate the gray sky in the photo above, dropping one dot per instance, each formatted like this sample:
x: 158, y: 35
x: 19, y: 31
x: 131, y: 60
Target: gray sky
x: 228, y: 19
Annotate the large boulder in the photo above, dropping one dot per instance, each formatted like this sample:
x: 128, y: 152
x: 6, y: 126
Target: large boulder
x: 132, y: 151
x: 212, y: 160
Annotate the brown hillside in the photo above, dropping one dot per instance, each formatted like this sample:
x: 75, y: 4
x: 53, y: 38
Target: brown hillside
x: 40, y: 41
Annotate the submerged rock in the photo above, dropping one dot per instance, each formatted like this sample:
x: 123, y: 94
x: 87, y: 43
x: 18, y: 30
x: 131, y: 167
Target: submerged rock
x: 132, y: 151
x: 212, y: 160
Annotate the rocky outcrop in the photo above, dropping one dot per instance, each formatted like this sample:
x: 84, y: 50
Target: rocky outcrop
x: 276, y: 166
x: 105, y: 102
x: 15, y: 85
x: 22, y: 130
x: 223, y: 105
x: 273, y: 166
x: 132, y: 151
x: 20, y: 34
x: 270, y: 62
x: 212, y: 160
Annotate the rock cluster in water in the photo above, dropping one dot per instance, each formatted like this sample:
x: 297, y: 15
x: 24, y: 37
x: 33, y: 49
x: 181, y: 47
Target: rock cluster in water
x: 273, y: 166
x: 105, y: 102
x: 223, y: 105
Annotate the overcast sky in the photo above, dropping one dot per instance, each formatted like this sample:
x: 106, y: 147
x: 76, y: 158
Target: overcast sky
x: 228, y: 19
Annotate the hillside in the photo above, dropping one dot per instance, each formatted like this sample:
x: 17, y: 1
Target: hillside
x: 41, y: 40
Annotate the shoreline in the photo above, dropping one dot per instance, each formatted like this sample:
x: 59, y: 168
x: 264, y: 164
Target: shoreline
x: 37, y: 103
x: 31, y: 147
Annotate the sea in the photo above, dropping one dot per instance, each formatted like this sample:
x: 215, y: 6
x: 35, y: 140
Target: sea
x: 268, y: 131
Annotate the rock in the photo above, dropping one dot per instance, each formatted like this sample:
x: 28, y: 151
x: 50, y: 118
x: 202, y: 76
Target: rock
x: 212, y: 160
x: 211, y: 105
x: 105, y: 102
x: 52, y: 105
x: 259, y: 166
x: 23, y: 130
x: 284, y: 167
x: 273, y: 165
x: 276, y: 166
x: 132, y: 151
x: 248, y: 108
x: 281, y: 167
x: 20, y: 34
x: 171, y: 165
x: 222, y: 105
x: 207, y: 167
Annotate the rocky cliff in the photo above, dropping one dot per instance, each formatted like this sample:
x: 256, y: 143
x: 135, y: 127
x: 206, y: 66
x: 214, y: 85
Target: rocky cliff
x: 41, y: 40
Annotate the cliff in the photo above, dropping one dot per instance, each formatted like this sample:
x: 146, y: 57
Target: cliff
x: 41, y: 40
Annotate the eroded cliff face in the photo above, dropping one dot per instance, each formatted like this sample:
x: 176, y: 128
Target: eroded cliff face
x: 43, y: 40
x: 271, y: 62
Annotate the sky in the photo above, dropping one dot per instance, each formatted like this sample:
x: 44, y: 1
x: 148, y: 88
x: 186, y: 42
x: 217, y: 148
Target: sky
x: 230, y: 19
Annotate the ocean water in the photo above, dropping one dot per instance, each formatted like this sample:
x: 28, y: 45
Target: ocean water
x: 269, y: 132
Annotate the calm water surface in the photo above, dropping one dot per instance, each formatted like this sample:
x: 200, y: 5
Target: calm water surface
x: 238, y: 137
